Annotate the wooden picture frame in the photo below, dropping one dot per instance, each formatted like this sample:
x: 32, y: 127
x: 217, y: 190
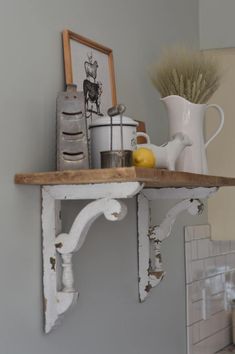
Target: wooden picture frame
x: 90, y: 66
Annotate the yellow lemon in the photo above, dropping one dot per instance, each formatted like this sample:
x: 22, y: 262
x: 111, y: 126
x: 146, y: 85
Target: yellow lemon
x: 144, y: 157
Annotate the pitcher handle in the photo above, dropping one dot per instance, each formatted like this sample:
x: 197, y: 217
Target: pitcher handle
x: 144, y: 135
x: 221, y: 113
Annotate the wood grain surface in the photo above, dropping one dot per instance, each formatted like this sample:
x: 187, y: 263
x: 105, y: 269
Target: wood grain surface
x: 152, y: 177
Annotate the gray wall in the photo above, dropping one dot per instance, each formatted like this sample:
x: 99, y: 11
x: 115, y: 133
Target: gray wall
x: 108, y: 318
x: 216, y: 23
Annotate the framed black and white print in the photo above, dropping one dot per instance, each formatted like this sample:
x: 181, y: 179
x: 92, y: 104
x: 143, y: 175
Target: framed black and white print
x: 89, y: 65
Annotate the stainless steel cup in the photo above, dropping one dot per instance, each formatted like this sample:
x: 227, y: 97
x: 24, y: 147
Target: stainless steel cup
x: 116, y: 158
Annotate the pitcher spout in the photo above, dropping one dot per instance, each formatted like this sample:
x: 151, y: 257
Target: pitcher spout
x: 175, y: 100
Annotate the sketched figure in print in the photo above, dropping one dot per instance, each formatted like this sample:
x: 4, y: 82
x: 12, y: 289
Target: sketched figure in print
x: 92, y: 93
x: 92, y: 89
x: 90, y: 67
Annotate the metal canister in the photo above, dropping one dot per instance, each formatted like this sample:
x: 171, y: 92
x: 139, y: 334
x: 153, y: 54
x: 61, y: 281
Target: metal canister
x: 116, y: 158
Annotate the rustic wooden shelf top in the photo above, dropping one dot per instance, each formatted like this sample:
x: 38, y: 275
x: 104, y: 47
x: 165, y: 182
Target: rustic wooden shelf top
x: 151, y: 177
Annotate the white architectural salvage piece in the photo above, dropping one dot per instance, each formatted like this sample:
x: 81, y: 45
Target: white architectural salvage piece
x: 58, y: 248
x: 104, y: 188
x: 150, y: 237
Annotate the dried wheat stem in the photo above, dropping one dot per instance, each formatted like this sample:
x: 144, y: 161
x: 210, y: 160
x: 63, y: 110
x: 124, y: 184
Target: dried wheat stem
x: 187, y: 73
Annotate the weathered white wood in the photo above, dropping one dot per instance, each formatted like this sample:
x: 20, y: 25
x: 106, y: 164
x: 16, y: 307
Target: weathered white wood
x: 67, y: 244
x: 150, y: 268
x: 58, y: 229
x: 150, y: 237
x: 194, y: 206
x: 156, y: 273
x: 155, y: 245
x: 58, y: 279
x: 112, y: 209
x: 179, y: 193
x: 94, y: 191
x: 58, y: 248
x: 143, y: 245
x: 67, y: 273
x: 49, y: 259
x: 64, y: 301
x: 161, y: 232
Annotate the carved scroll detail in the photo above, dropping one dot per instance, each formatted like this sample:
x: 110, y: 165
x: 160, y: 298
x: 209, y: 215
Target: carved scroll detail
x: 58, y: 277
x: 150, y: 244
x: 69, y: 243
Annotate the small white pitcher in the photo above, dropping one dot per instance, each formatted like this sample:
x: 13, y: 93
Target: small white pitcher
x: 188, y: 118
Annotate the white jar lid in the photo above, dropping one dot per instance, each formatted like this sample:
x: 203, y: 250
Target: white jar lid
x: 106, y: 121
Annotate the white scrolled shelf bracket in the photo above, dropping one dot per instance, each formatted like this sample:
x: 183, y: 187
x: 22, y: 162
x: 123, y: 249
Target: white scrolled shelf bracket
x: 69, y: 243
x: 58, y: 250
x: 193, y: 206
x: 151, y: 272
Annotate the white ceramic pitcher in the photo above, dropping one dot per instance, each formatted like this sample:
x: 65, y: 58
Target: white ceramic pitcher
x: 188, y: 118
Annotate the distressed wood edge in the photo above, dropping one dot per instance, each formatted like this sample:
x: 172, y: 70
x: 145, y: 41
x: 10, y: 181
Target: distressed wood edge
x: 165, y: 178
x: 155, y: 178
x: 106, y: 175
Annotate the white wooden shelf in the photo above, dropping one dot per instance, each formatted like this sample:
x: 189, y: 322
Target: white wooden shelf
x: 105, y: 187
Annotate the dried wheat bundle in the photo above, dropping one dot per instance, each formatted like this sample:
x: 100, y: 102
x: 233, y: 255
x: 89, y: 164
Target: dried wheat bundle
x: 187, y: 73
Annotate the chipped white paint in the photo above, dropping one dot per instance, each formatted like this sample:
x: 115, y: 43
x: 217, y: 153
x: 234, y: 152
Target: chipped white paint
x: 161, y: 232
x: 179, y: 193
x: 58, y: 248
x: 67, y: 244
x: 49, y: 259
x: 150, y: 237
x: 65, y: 301
x: 112, y: 209
x: 94, y: 191
x: 194, y: 206
x: 143, y: 244
x: 67, y: 273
